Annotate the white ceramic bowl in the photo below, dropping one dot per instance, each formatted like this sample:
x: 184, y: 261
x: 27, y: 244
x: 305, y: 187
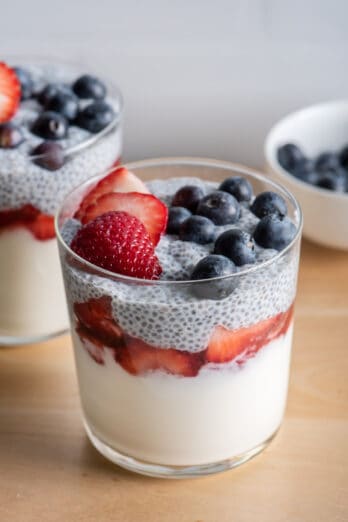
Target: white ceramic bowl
x: 316, y: 129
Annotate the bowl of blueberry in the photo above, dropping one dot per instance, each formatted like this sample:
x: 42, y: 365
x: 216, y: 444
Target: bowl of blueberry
x: 307, y: 151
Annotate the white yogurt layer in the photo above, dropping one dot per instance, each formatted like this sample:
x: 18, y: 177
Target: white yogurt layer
x: 171, y: 420
x: 32, y: 298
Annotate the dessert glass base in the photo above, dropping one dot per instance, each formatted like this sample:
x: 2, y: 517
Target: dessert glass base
x: 181, y: 378
x: 172, y: 472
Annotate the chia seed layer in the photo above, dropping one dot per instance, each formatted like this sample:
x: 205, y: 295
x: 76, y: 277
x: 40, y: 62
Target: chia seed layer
x: 169, y: 315
x: 22, y: 181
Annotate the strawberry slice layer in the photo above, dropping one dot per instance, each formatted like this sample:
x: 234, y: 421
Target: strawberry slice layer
x: 226, y: 345
x: 13, y: 216
x: 91, y: 344
x: 98, y: 329
x: 146, y: 207
x: 39, y: 224
x: 10, y: 92
x: 95, y: 321
x: 119, y: 180
x: 138, y: 358
x: 42, y: 227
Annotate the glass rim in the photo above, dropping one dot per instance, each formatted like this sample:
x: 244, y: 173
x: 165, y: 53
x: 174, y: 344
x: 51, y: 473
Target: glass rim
x: 53, y: 61
x: 167, y: 161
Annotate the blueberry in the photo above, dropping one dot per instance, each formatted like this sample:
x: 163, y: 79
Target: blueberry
x: 289, y: 156
x: 333, y: 179
x: 237, y: 245
x: 10, y: 136
x: 239, y: 187
x: 197, y: 229
x: 95, y: 117
x: 305, y: 171
x: 303, y: 168
x: 188, y: 197
x: 209, y: 267
x: 89, y: 87
x: 64, y: 103
x: 48, y: 155
x: 221, y: 207
x: 268, y: 203
x: 343, y: 157
x: 311, y: 177
x: 274, y: 232
x: 326, y: 160
x: 50, y: 91
x: 25, y: 79
x: 176, y: 216
x: 50, y: 125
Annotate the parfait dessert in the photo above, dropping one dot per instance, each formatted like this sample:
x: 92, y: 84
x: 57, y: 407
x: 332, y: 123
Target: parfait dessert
x: 181, y: 292
x: 59, y: 126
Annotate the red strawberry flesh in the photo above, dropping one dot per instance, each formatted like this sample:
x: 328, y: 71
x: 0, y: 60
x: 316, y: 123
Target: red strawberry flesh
x: 138, y: 357
x: 118, y: 242
x: 10, y: 92
x: 97, y: 326
x: 119, y: 180
x: 226, y: 345
x: 146, y: 207
x: 95, y: 317
x: 91, y: 344
x: 39, y: 224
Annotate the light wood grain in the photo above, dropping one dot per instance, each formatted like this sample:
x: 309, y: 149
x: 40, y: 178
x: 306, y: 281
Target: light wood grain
x: 50, y: 472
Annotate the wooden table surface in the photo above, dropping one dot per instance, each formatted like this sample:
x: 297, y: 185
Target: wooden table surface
x: 50, y: 472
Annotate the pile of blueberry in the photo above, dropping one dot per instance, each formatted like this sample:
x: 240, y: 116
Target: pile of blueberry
x: 194, y: 216
x: 329, y: 170
x: 61, y: 107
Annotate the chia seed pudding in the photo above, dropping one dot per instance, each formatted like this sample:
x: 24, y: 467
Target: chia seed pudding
x: 201, y: 365
x: 46, y: 149
x: 163, y: 315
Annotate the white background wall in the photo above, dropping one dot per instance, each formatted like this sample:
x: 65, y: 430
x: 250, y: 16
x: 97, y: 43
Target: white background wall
x: 200, y: 77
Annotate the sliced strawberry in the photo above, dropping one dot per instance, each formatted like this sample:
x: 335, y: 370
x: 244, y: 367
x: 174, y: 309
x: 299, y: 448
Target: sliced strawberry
x: 225, y: 345
x: 10, y: 92
x: 91, y: 344
x: 18, y: 216
x: 288, y: 320
x: 281, y: 326
x: 146, y: 207
x: 95, y: 316
x: 39, y: 224
x: 42, y: 227
x: 138, y: 357
x: 119, y: 180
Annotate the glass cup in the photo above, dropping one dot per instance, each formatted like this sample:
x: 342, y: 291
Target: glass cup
x: 30, y: 193
x: 182, y: 378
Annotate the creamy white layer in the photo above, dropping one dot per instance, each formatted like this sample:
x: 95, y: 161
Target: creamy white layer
x: 170, y: 420
x: 32, y: 299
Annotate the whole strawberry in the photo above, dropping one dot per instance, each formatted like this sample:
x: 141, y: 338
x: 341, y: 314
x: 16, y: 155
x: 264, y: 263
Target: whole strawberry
x: 118, y: 242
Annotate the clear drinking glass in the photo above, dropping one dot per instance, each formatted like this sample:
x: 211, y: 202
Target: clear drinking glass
x: 32, y: 300
x: 216, y: 415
